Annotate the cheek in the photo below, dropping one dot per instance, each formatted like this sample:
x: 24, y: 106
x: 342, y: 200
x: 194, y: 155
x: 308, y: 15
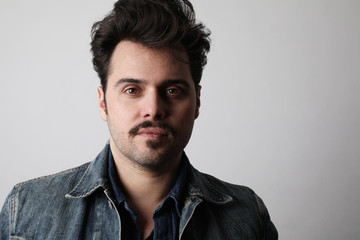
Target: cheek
x: 184, y: 115
x: 122, y: 115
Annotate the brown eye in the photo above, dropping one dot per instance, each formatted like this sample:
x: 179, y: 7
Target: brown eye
x: 131, y: 91
x: 173, y: 91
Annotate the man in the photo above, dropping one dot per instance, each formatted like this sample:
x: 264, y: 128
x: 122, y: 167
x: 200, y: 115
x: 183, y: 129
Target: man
x: 149, y: 55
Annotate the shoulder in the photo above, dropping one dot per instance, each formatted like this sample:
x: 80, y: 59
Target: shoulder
x: 89, y: 176
x: 39, y: 197
x: 226, y: 204
x: 227, y: 187
x: 211, y: 185
x: 229, y: 195
x: 57, y: 178
x: 54, y: 184
x: 240, y: 194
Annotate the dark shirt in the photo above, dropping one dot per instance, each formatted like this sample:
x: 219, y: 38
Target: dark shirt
x: 166, y: 217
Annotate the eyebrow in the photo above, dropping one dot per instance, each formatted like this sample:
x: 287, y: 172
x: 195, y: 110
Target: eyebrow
x: 128, y: 80
x: 175, y: 81
x: 166, y: 82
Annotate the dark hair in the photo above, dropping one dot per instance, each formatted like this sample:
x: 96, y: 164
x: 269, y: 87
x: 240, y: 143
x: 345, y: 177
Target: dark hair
x: 152, y: 23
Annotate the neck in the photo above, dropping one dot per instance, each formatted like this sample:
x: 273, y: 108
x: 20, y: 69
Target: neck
x: 144, y: 188
x: 142, y: 185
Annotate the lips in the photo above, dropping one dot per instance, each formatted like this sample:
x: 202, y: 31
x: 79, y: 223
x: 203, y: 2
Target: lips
x: 152, y: 132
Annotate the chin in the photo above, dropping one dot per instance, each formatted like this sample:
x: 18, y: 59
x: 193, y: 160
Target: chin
x: 155, y: 144
x: 155, y: 158
x: 152, y: 161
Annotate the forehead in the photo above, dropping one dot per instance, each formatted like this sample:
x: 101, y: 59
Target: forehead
x: 133, y: 60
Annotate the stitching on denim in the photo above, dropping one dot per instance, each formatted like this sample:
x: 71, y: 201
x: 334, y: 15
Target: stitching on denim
x: 11, y: 214
x: 85, y: 174
x: 53, y: 175
x: 89, y: 166
x: 99, y: 185
x: 107, y: 193
x: 16, y: 238
x: 188, y: 220
x: 226, y: 198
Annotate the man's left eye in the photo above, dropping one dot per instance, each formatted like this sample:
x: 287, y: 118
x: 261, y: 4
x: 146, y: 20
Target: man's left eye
x: 173, y: 91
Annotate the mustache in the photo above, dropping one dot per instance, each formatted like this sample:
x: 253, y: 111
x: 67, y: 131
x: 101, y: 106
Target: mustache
x: 147, y: 124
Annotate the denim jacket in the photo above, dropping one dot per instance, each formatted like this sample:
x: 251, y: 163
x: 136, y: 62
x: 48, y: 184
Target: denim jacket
x: 77, y: 204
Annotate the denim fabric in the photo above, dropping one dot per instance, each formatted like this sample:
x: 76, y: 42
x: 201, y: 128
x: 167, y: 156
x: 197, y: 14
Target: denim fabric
x: 166, y: 217
x: 77, y: 204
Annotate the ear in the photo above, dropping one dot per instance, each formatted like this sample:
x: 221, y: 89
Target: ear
x: 198, y: 103
x: 102, y: 103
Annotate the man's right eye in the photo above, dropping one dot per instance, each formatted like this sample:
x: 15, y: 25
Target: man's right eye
x: 131, y: 91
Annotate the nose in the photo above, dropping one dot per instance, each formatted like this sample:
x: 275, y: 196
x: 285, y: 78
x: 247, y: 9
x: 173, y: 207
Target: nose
x: 153, y: 106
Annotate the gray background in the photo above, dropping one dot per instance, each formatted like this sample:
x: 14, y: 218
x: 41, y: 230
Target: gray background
x: 280, y: 102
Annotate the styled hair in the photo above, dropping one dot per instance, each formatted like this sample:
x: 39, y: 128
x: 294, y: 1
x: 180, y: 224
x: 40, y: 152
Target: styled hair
x: 152, y: 23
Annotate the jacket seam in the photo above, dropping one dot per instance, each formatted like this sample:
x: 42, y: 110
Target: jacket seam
x: 200, y: 193
x: 51, y: 175
x: 13, y: 211
x: 69, y: 195
x: 115, y: 209
x: 189, y: 218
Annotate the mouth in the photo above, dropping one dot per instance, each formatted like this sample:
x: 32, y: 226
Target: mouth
x: 152, y: 132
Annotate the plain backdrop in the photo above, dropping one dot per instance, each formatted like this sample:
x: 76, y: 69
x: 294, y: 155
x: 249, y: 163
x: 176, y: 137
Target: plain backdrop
x: 280, y: 102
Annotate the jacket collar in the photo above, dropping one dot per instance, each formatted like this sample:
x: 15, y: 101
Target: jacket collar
x: 96, y: 177
x: 199, y: 186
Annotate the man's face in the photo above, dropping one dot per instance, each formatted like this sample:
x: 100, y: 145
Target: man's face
x: 151, y: 104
